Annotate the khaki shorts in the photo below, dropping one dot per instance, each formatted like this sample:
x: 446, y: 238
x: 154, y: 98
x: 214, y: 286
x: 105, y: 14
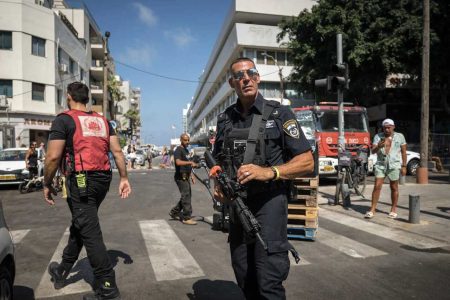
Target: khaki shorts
x: 382, y: 172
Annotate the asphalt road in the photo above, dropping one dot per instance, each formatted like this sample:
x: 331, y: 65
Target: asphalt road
x: 158, y: 258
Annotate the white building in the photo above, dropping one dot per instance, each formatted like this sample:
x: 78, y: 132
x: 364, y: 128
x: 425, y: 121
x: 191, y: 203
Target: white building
x: 250, y: 30
x: 131, y: 101
x: 184, y: 120
x: 44, y: 46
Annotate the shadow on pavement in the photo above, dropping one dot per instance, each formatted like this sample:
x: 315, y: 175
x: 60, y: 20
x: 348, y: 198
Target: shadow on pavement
x: 83, y: 271
x: 430, y: 250
x: 206, y: 289
x: 23, y: 292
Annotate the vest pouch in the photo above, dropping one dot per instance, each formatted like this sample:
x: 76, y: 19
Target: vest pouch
x: 81, y: 184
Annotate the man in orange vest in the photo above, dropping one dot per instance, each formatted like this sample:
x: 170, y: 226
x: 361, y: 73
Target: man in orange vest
x: 79, y: 141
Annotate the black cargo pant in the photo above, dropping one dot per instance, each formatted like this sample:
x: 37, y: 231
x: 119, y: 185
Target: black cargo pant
x: 184, y: 205
x: 260, y: 273
x: 85, y: 228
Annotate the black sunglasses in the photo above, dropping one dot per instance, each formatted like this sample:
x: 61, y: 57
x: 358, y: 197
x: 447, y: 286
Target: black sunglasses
x: 251, y: 73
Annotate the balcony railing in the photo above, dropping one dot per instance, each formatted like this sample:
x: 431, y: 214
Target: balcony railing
x: 96, y: 40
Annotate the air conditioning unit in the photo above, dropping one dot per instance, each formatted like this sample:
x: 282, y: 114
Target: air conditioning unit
x: 3, y: 101
x: 63, y: 68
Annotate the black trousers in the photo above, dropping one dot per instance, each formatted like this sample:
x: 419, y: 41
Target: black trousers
x: 85, y: 228
x: 260, y: 273
x: 183, y: 206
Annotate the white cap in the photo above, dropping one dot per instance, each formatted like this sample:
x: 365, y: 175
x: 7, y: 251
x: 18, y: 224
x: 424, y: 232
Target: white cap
x: 388, y: 122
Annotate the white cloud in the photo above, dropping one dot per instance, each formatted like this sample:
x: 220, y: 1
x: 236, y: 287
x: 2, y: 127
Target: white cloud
x: 146, y: 15
x: 139, y: 55
x: 182, y: 37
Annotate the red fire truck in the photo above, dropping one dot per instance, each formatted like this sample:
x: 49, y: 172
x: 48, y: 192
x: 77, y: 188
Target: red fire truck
x: 320, y: 125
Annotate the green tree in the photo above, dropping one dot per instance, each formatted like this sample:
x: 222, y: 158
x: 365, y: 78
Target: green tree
x: 134, y: 117
x: 380, y: 37
x: 116, y: 94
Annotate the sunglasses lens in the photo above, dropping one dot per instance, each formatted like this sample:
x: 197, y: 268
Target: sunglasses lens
x: 238, y: 75
x: 250, y: 72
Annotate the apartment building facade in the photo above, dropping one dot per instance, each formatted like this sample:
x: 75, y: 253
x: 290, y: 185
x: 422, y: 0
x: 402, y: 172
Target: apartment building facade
x: 131, y: 101
x: 44, y: 46
x: 250, y: 29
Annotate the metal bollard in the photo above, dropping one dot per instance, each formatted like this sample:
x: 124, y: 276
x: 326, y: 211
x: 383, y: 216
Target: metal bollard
x: 402, y: 179
x: 414, y: 209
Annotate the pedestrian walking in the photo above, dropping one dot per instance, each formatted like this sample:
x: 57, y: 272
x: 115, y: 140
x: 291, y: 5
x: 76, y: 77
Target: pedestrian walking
x: 41, y: 159
x: 149, y: 156
x: 80, y: 140
x: 264, y: 143
x: 183, y: 168
x: 390, y: 147
x: 31, y: 160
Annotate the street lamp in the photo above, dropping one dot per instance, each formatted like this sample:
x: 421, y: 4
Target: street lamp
x: 105, y: 72
x: 280, y: 74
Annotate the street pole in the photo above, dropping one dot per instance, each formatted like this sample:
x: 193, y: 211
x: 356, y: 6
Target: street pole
x: 422, y: 171
x: 280, y: 74
x: 340, y: 94
x: 105, y: 73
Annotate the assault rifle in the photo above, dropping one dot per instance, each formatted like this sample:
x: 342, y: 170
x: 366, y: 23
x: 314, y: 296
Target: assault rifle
x: 234, y: 191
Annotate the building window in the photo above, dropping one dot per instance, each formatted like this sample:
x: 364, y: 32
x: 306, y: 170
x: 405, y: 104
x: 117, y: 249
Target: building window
x: 37, y: 46
x: 281, y: 58
x: 6, y: 40
x: 81, y: 74
x: 290, y: 59
x: 270, y: 57
x: 260, y: 57
x: 71, y: 66
x: 6, y: 88
x: 38, y: 91
x: 59, y: 96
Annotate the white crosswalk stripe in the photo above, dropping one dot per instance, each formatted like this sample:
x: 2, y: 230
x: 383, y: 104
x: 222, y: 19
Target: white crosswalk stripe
x: 396, y: 235
x: 18, y: 235
x: 347, y: 246
x: 169, y: 257
x: 78, y: 279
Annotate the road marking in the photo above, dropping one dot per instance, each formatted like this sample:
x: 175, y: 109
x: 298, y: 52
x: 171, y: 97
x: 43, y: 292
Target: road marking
x: 396, y: 235
x: 302, y: 262
x: 18, y: 235
x: 347, y: 246
x: 79, y: 279
x: 169, y: 257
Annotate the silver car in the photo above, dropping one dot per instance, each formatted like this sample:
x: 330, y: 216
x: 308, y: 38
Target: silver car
x: 7, y: 266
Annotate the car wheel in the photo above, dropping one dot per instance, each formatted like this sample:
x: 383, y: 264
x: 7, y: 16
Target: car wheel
x: 6, y: 284
x: 412, y: 167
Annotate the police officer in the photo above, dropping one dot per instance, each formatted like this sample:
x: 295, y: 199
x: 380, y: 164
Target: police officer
x: 80, y: 140
x: 183, y: 168
x: 281, y: 153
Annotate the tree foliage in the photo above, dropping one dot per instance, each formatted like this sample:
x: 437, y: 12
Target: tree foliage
x: 379, y: 37
x: 133, y: 115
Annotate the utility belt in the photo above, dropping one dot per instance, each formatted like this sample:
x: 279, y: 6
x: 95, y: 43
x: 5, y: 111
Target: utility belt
x: 183, y: 176
x: 81, y: 180
x: 259, y: 187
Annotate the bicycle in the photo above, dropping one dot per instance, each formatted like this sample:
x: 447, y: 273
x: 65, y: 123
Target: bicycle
x: 31, y: 185
x: 352, y: 171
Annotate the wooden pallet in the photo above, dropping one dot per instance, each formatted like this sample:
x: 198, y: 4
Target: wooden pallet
x: 302, y: 210
x: 302, y: 233
x: 299, y: 221
x: 304, y: 182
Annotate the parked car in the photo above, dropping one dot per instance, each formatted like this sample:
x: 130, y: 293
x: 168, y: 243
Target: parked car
x: 412, y: 162
x: 7, y: 260
x: 140, y: 157
x: 12, y: 165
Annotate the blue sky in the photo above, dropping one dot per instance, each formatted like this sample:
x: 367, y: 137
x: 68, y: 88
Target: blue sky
x: 173, y: 38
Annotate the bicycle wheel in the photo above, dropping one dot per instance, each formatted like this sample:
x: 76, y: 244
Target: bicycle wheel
x: 359, y: 181
x: 23, y: 188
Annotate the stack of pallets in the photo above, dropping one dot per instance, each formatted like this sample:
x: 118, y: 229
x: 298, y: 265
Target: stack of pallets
x: 303, y: 209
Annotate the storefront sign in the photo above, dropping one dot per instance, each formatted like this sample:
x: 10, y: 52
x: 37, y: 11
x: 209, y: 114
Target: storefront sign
x: 38, y: 122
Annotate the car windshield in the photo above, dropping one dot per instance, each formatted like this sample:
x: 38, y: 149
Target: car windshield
x: 12, y: 155
x: 353, y: 121
x: 139, y: 152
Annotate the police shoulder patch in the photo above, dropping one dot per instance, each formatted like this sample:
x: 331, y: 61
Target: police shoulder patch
x: 291, y: 128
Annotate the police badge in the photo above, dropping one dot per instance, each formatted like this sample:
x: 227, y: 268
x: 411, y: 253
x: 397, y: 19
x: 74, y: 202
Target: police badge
x: 291, y: 129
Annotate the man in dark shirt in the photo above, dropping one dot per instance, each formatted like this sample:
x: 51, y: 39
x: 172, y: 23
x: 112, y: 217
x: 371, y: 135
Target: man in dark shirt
x: 282, y: 153
x: 80, y: 140
x: 183, y: 168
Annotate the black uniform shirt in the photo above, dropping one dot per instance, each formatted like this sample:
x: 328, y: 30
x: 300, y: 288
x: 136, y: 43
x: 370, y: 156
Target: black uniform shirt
x: 182, y: 154
x: 284, y: 137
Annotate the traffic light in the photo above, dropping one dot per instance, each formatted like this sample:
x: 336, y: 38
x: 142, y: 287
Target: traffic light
x: 339, y: 79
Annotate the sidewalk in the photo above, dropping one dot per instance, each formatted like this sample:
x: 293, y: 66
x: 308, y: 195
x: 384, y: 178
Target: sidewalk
x: 434, y: 208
